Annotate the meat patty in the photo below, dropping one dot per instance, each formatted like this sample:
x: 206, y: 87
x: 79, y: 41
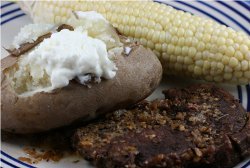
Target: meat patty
x: 199, y: 126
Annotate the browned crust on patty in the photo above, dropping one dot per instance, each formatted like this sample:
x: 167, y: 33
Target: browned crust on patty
x: 199, y: 126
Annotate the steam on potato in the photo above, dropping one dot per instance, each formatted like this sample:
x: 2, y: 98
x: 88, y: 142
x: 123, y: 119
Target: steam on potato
x: 57, y: 75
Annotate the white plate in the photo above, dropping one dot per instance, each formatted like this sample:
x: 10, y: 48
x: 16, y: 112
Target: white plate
x: 230, y: 13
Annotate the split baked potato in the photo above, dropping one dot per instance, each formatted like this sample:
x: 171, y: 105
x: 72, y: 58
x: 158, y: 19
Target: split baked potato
x: 139, y: 73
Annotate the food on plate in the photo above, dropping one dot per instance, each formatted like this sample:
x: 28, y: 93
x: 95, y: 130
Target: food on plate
x: 49, y: 146
x: 198, y: 126
x: 186, y: 45
x: 59, y: 75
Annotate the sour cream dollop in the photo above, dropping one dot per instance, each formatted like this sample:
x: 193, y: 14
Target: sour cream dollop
x: 69, y: 54
x: 79, y: 54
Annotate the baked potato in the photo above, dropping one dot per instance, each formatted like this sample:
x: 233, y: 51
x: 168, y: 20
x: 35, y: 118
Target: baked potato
x: 139, y: 73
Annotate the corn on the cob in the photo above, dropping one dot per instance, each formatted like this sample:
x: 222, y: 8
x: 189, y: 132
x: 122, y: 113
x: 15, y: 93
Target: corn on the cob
x: 186, y: 45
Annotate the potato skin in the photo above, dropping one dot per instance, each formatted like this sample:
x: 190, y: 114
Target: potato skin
x: 138, y: 75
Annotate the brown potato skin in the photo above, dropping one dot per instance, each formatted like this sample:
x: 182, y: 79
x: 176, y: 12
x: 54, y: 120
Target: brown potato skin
x: 138, y: 75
